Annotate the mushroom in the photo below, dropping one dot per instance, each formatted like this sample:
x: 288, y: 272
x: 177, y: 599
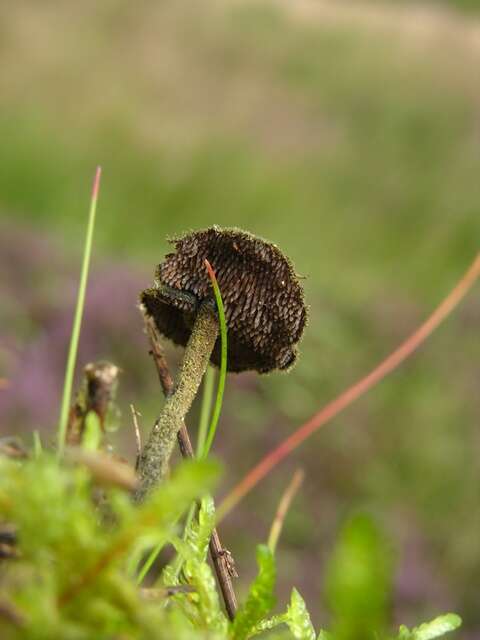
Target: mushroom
x: 263, y: 299
x: 264, y: 310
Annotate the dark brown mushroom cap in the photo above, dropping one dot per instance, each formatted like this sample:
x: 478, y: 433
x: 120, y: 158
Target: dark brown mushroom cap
x: 263, y: 299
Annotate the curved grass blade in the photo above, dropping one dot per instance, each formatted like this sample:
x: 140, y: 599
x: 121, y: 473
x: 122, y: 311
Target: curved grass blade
x: 223, y: 361
x: 205, y: 410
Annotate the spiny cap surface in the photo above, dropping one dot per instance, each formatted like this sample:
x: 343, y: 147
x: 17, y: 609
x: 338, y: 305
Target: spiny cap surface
x: 263, y: 299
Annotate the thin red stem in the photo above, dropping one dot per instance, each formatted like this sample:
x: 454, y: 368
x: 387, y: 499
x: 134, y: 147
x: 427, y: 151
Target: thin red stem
x: 346, y: 398
x: 96, y: 183
x: 211, y: 272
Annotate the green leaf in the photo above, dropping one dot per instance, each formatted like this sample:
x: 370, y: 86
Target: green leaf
x: 268, y: 624
x: 260, y: 599
x: 190, y: 480
x: 202, y: 606
x: 200, y: 530
x: 167, y: 503
x: 434, y: 629
x: 359, y: 581
x: 210, y: 616
x: 298, y: 618
x: 197, y: 538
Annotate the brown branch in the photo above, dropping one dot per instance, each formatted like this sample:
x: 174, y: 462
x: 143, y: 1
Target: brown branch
x: 217, y: 552
x: 138, y: 437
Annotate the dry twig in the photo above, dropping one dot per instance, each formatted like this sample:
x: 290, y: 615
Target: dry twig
x: 283, y: 507
x: 138, y: 437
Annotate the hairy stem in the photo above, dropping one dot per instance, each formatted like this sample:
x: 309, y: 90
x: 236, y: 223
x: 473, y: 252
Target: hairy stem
x: 153, y: 463
x: 217, y: 552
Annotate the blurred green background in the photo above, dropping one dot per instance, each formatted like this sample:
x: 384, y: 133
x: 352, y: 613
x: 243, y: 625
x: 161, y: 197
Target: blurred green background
x: 347, y: 133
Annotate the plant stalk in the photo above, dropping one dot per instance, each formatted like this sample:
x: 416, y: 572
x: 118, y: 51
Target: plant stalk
x: 347, y: 397
x: 217, y: 552
x: 155, y: 457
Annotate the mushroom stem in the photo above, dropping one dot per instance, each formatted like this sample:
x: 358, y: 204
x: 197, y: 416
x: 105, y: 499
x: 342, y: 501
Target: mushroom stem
x: 217, y: 552
x: 153, y: 463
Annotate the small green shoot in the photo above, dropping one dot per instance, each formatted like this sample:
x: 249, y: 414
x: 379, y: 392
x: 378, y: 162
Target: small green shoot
x: 92, y: 436
x: 430, y: 630
x: 298, y: 618
x: 37, y: 445
x: 260, y: 599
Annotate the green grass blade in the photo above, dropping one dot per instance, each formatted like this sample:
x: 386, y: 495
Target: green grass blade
x: 223, y: 362
x: 77, y: 320
x: 206, y: 410
x: 37, y: 445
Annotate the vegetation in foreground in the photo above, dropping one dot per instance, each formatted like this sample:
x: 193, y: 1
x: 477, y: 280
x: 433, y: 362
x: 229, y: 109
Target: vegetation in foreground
x: 73, y: 572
